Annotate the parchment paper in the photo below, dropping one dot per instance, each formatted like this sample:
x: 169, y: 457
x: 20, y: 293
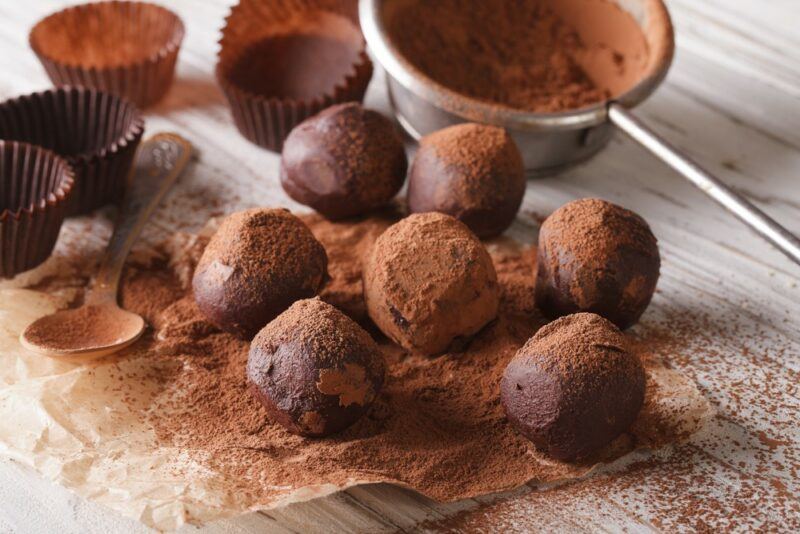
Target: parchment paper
x: 68, y: 423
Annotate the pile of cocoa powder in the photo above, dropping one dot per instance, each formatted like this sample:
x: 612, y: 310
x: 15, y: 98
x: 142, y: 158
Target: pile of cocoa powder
x: 438, y: 425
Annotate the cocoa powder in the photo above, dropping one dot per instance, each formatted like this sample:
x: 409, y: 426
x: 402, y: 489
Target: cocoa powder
x: 86, y: 326
x: 535, y: 55
x: 437, y: 426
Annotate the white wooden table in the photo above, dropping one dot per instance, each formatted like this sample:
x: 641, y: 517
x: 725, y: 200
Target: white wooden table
x: 732, y: 100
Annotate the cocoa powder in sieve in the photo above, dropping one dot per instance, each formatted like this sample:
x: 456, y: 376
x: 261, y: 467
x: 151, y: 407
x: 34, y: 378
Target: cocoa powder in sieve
x: 534, y: 55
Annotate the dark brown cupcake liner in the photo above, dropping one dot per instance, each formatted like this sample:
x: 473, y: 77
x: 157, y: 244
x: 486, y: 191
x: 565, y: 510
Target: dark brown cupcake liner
x: 96, y: 132
x: 35, y: 186
x: 125, y: 48
x: 266, y: 120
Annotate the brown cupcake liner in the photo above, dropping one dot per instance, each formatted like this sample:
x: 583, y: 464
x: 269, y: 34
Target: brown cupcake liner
x: 267, y: 120
x: 96, y: 132
x: 125, y: 48
x: 35, y: 186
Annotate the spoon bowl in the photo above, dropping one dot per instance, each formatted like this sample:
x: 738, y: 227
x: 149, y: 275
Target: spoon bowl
x: 84, y: 333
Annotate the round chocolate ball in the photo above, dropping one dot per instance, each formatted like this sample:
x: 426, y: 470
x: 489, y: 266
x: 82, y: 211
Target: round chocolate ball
x: 344, y: 161
x: 255, y: 266
x: 314, y: 369
x: 574, y: 386
x: 428, y: 281
x: 473, y: 172
x: 596, y: 257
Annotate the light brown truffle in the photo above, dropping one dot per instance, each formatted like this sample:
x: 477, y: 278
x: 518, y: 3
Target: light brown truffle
x: 314, y: 369
x: 255, y: 266
x: 473, y: 172
x: 427, y: 281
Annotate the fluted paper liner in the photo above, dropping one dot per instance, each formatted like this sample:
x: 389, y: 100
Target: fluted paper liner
x: 35, y: 185
x: 266, y: 119
x: 126, y: 48
x: 96, y: 132
x: 76, y: 426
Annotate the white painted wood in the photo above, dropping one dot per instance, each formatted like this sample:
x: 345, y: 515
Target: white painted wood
x: 731, y: 100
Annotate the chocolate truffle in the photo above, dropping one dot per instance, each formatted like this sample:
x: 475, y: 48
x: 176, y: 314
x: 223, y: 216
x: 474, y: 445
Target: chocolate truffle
x: 427, y: 281
x: 255, y: 266
x: 344, y: 161
x: 574, y: 386
x: 314, y: 369
x: 472, y: 172
x: 596, y: 257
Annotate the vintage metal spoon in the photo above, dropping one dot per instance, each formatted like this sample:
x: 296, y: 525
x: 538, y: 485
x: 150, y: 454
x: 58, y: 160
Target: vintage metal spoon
x: 100, y: 327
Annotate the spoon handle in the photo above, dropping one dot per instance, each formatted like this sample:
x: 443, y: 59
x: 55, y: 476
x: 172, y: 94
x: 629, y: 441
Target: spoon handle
x: 760, y: 222
x: 159, y: 162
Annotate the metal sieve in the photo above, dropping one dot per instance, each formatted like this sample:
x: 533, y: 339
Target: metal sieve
x: 550, y: 142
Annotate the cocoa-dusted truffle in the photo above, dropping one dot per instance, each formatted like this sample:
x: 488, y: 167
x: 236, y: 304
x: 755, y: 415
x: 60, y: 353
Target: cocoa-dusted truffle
x: 427, y: 281
x: 314, y: 369
x: 574, y: 386
x: 344, y: 161
x: 596, y: 257
x: 473, y: 172
x: 255, y: 266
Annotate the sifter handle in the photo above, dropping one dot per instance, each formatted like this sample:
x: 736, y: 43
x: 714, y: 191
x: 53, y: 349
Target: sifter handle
x: 748, y: 213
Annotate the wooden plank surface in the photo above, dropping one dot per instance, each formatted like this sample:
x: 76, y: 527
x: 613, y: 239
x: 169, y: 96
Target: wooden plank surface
x: 732, y: 100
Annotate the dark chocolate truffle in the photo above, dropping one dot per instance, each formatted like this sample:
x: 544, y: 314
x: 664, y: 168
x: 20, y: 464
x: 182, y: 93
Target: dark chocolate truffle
x: 314, y: 369
x: 427, y: 281
x: 574, y: 386
x: 255, y: 266
x: 472, y: 172
x: 596, y: 257
x: 344, y: 161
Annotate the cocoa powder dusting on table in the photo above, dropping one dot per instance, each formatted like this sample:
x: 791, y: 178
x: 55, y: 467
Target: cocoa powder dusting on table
x: 437, y: 426
x: 669, y: 488
x: 149, y: 292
